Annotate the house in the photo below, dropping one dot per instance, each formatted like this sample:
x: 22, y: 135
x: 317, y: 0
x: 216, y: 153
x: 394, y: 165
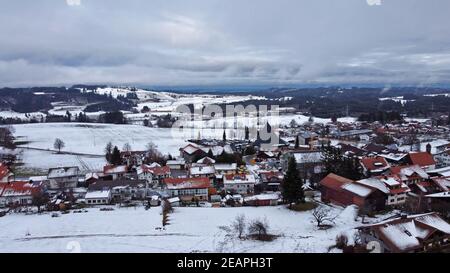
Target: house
x: 115, y: 171
x: 342, y: 191
x: 374, y: 165
x: 188, y: 189
x: 191, y: 152
x: 424, y: 159
x: 18, y: 193
x: 395, y: 190
x: 121, y: 190
x: 63, y: 178
x: 98, y: 197
x: 5, y: 173
x: 268, y: 199
x: 435, y: 147
x: 412, y: 174
x: 265, y: 155
x: 331, y: 189
x: 309, y: 164
x: 153, y: 174
x: 270, y: 181
x: 206, y: 161
x: 439, y: 202
x: 92, y: 177
x: 241, y: 184
x: 307, y: 138
x: 407, y: 234
x: 203, y: 171
x: 177, y: 164
x: 133, y: 158
x: 224, y: 168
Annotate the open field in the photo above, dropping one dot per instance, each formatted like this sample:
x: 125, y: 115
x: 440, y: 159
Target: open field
x: 190, y: 230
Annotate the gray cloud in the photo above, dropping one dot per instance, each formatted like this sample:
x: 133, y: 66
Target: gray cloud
x: 213, y: 42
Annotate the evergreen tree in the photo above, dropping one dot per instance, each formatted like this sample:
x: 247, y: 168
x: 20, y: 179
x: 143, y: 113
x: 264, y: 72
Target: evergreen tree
x: 297, y: 143
x: 68, y: 116
x: 292, y: 184
x: 115, y: 156
x: 210, y: 153
x: 108, y: 151
x: 247, y: 133
x: 224, y: 136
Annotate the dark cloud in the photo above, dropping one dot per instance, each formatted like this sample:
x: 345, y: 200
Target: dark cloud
x: 224, y: 42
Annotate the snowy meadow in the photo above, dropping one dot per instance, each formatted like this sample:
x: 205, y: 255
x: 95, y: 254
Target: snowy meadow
x: 190, y: 230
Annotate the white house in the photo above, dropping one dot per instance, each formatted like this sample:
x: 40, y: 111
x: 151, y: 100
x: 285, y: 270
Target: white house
x: 100, y: 197
x: 241, y: 184
x: 63, y: 178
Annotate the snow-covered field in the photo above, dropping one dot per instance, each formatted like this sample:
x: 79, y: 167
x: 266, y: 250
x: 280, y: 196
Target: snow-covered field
x: 91, y: 138
x: 88, y: 141
x: 190, y: 230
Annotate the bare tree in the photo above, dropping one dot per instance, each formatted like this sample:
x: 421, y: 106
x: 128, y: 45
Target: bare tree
x: 236, y: 228
x: 322, y: 215
x: 59, y: 144
x: 239, y: 225
x: 153, y: 155
x: 126, y: 147
x: 259, y: 228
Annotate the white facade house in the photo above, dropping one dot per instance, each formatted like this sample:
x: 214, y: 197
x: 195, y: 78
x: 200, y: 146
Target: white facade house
x: 241, y: 184
x: 63, y: 178
x: 102, y: 197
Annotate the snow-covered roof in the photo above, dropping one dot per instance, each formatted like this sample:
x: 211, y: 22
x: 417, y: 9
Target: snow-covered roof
x: 112, y: 169
x: 225, y: 167
x: 176, y: 162
x: 265, y: 196
x: 206, y: 160
x: 37, y: 178
x: 202, y: 170
x: 308, y: 157
x: 62, y: 172
x: 358, y: 189
x: 375, y: 183
x: 187, y: 183
x: 97, y: 194
x: 444, y: 194
x: 239, y: 179
x: 405, y: 172
x: 391, y: 181
x: 18, y: 188
x: 406, y: 233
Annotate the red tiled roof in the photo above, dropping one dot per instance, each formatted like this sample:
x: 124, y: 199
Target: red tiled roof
x: 374, y: 163
x: 422, y: 159
x: 189, y: 183
x: 159, y: 170
x: 334, y: 181
x: 19, y: 188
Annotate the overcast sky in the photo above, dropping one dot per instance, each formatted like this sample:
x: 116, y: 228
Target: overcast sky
x: 224, y: 42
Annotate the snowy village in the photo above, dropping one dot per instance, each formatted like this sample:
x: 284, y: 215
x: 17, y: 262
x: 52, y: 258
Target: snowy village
x: 225, y: 129
x: 337, y: 185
